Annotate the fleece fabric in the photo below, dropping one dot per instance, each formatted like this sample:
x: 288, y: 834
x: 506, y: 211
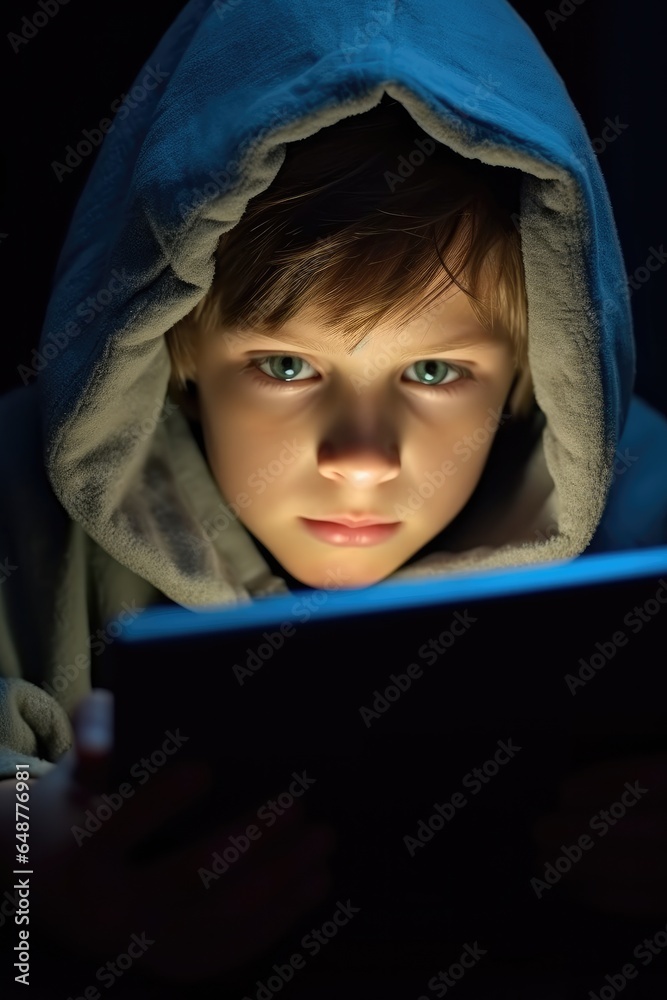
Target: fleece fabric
x: 106, y: 491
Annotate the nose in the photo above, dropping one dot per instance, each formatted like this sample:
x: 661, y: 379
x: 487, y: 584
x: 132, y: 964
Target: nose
x: 358, y: 467
x: 360, y: 463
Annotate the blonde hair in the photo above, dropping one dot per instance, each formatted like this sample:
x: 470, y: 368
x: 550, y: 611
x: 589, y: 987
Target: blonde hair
x: 362, y: 218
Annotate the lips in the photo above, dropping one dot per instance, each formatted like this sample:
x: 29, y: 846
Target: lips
x: 350, y: 532
x: 354, y: 522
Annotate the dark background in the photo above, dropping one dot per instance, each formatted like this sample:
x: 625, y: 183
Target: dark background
x: 610, y: 55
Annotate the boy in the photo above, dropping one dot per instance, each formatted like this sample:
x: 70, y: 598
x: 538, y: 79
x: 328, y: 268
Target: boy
x: 368, y: 435
x: 361, y: 350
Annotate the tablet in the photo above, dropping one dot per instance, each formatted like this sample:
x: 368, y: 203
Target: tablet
x: 429, y: 723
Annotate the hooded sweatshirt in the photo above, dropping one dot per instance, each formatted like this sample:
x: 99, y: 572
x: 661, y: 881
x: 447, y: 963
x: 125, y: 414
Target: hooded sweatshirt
x: 108, y: 500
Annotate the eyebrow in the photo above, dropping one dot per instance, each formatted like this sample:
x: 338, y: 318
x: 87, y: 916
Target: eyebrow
x: 314, y: 347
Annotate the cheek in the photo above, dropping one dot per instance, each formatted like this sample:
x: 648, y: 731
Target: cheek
x: 450, y: 461
x: 241, y: 451
x: 234, y: 457
x: 225, y: 441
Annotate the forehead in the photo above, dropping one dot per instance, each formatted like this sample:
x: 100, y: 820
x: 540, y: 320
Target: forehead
x: 446, y: 324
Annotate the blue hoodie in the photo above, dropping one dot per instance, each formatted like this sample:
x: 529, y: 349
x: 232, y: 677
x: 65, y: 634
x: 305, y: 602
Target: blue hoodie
x: 108, y: 488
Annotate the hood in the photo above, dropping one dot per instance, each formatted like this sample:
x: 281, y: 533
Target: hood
x: 230, y: 84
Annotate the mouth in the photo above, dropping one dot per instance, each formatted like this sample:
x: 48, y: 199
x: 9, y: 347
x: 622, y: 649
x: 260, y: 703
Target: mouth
x: 348, y: 532
x: 354, y: 522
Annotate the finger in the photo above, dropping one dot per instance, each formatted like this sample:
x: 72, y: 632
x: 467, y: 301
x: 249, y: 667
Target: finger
x: 93, y: 735
x: 255, y: 932
x: 258, y: 877
x: 231, y: 843
x: 189, y: 875
x: 221, y: 943
x: 256, y: 912
x: 273, y: 877
x: 148, y: 807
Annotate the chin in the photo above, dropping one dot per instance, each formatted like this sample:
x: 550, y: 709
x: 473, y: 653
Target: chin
x: 339, y: 577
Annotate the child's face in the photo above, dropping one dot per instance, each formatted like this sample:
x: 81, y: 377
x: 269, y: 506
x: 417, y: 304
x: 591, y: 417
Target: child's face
x: 358, y: 435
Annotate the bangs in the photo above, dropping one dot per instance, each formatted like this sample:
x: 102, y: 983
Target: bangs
x: 368, y: 222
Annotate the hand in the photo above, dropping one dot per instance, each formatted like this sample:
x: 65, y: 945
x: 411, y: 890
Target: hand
x: 93, y: 898
x: 621, y: 805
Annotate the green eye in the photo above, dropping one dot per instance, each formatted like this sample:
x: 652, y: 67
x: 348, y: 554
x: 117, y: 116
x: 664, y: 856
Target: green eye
x: 286, y: 368
x: 433, y: 372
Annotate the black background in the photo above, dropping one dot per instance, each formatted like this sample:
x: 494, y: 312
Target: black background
x: 610, y: 55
